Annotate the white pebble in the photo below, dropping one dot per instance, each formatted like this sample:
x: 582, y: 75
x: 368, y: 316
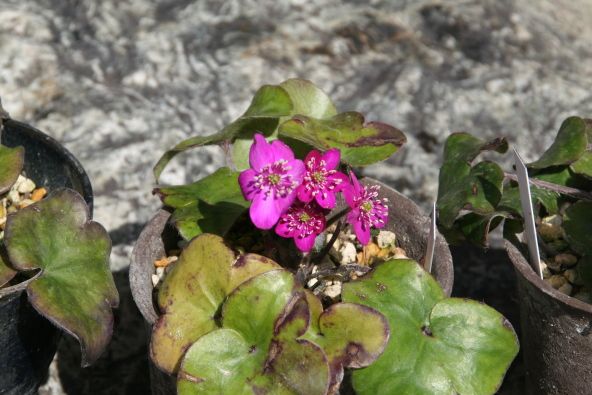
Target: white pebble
x: 386, y: 239
x: 348, y: 253
x: 26, y: 186
x: 333, y: 290
x: 155, y: 280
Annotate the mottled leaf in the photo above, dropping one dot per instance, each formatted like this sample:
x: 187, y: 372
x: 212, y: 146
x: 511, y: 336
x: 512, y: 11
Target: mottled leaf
x: 75, y: 289
x: 269, y: 104
x: 192, y: 293
x: 249, y: 355
x: 360, y: 143
x: 569, y: 145
x: 438, y: 345
x: 510, y: 200
x: 210, y: 205
x: 479, y: 191
x: 11, y: 165
x: 308, y: 100
x: 577, y: 224
x: 583, y: 165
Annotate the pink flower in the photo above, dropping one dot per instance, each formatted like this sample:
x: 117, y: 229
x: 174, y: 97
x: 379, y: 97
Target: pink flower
x: 367, y: 209
x: 271, y: 181
x: 321, y: 180
x: 303, y: 222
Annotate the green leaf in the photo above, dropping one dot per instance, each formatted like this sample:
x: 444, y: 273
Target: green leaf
x: 192, y: 293
x: 249, y: 354
x: 583, y: 165
x: 75, y: 289
x: 584, y: 268
x: 569, y: 145
x: 11, y: 165
x: 308, y: 100
x: 360, y: 143
x: 460, y: 150
x: 479, y: 191
x: 6, y: 272
x: 438, y: 345
x: 510, y: 200
x: 269, y: 104
x: 476, y: 228
x: 210, y: 205
x: 577, y: 224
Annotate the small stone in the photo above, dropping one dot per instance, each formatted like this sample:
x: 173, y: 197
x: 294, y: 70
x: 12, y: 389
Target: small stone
x: 38, y: 194
x: 14, y: 197
x: 312, y: 282
x: 584, y: 296
x: 333, y: 290
x: 155, y: 280
x: 556, y: 281
x: 386, y: 239
x: 558, y: 245
x: 566, y: 289
x: 348, y: 253
x: 27, y: 186
x: 555, y: 220
x: 545, y: 270
x: 573, y: 277
x: 25, y: 203
x: 550, y: 232
x: 566, y: 260
x: 159, y: 271
x: 399, y: 253
x: 551, y: 264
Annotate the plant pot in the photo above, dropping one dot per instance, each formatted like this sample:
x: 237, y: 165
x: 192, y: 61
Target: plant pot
x: 556, y: 334
x: 28, y: 341
x: 405, y: 219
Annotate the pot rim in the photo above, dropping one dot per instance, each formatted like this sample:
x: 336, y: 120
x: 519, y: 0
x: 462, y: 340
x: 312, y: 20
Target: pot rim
x: 143, y: 295
x: 526, y: 271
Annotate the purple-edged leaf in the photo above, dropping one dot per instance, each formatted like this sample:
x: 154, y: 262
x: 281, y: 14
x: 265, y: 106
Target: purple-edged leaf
x: 75, y: 290
x: 210, y: 205
x: 569, y: 145
x: 438, y: 345
x: 256, y: 351
x: 361, y: 143
x: 11, y: 165
x: 269, y: 104
x: 193, y: 292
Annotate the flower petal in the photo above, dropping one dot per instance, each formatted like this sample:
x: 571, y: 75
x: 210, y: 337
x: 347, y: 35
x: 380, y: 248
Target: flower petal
x: 246, y: 182
x: 281, y: 151
x: 362, y: 232
x: 326, y: 200
x: 332, y: 158
x: 340, y: 181
x: 296, y: 170
x: 261, y: 152
x: 304, y: 194
x: 355, y: 183
x: 305, y: 244
x: 349, y: 195
x: 282, y: 229
x: 265, y: 211
x: 313, y: 156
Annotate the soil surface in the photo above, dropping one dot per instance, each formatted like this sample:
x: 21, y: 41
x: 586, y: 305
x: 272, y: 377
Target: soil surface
x: 119, y: 81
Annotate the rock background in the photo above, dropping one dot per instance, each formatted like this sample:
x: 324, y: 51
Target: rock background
x: 118, y: 81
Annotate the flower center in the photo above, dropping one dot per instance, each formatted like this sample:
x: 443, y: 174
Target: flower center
x: 366, y: 206
x: 304, y: 217
x: 318, y: 176
x: 274, y: 179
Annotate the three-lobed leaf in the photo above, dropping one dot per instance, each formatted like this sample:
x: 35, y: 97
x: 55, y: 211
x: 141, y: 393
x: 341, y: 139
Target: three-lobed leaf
x: 438, y: 345
x: 75, y: 289
x: 192, y: 293
x: 210, y: 205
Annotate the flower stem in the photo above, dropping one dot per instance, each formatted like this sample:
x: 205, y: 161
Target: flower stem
x: 332, y: 241
x: 337, y: 216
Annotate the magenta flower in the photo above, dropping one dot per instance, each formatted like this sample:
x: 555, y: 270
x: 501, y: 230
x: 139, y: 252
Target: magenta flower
x: 303, y: 222
x: 321, y: 180
x: 271, y: 181
x: 367, y: 209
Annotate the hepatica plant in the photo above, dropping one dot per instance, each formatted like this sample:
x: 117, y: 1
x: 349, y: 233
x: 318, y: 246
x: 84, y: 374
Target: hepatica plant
x: 233, y: 321
x: 53, y: 250
x: 475, y: 197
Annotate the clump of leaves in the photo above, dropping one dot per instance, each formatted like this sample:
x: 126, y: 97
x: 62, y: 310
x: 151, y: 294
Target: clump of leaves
x: 475, y: 197
x: 242, y: 323
x: 63, y: 256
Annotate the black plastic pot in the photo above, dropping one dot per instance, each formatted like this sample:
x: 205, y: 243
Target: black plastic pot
x: 556, y: 334
x: 27, y: 340
x: 405, y: 219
